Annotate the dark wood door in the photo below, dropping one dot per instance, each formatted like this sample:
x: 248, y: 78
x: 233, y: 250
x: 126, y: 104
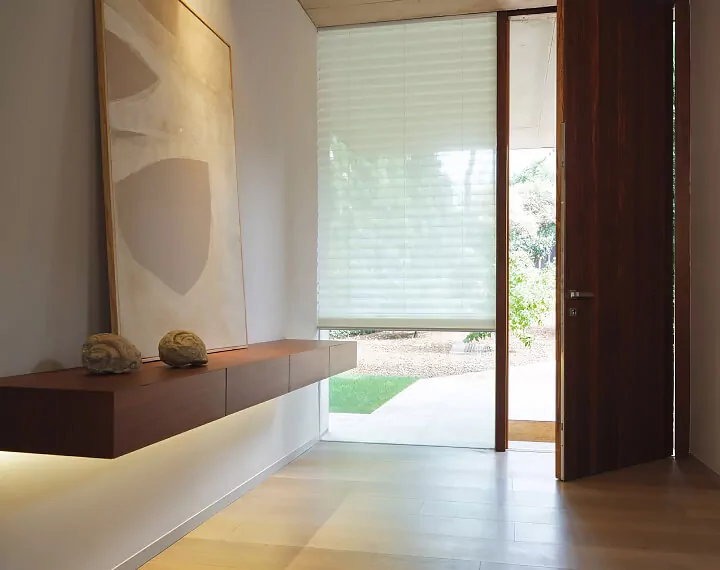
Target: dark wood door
x: 615, y: 108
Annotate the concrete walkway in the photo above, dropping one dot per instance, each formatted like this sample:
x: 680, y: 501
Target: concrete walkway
x: 457, y: 411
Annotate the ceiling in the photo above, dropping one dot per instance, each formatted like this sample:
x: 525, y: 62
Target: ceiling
x: 533, y: 81
x: 328, y: 13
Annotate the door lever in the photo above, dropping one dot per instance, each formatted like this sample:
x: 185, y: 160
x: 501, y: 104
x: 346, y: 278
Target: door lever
x: 581, y: 295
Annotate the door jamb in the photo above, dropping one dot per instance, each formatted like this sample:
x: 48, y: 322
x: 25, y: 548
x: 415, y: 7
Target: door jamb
x: 560, y: 243
x: 503, y: 223
x: 682, y: 229
x: 503, y: 232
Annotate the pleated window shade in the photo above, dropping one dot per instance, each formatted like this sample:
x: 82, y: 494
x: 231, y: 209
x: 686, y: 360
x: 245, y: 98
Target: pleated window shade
x: 407, y: 151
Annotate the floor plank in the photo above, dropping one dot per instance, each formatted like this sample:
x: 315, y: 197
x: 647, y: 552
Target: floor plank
x: 357, y: 506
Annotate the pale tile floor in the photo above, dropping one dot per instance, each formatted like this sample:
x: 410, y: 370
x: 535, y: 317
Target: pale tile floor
x: 377, y: 507
x: 455, y: 411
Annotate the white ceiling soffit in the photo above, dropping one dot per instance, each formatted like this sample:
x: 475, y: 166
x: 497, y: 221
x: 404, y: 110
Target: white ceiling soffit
x: 329, y: 13
x: 533, y: 81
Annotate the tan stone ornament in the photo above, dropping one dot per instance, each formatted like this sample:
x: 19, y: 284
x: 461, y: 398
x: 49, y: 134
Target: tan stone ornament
x: 107, y: 353
x: 182, y: 348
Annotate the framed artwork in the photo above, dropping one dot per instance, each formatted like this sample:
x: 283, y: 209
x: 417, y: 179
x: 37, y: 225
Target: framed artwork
x: 171, y: 192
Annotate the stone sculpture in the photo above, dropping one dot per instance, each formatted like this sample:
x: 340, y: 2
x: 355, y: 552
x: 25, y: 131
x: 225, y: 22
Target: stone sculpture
x: 182, y: 348
x: 107, y: 353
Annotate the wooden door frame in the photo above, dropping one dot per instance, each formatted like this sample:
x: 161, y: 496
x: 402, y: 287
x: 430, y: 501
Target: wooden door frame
x: 502, y: 241
x: 682, y: 233
x: 682, y: 229
x: 560, y: 248
x: 502, y: 334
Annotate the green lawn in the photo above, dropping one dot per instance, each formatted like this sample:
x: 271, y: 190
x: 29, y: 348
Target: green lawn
x: 364, y: 394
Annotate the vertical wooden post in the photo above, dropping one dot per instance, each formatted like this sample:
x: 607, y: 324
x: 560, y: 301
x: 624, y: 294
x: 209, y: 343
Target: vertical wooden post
x: 503, y: 229
x: 560, y: 243
x: 682, y: 228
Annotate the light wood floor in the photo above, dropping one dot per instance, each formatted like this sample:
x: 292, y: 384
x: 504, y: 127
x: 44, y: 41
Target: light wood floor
x: 374, y: 507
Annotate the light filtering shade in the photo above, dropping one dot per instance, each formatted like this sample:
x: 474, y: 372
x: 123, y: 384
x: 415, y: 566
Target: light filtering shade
x: 407, y: 151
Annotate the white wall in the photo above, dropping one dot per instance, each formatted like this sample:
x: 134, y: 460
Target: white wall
x: 80, y: 514
x: 705, y: 327
x: 53, y: 289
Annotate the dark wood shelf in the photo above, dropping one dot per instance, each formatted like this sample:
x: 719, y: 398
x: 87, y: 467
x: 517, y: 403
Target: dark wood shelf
x: 73, y: 412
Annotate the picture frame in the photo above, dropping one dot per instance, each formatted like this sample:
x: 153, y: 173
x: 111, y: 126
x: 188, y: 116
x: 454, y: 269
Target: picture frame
x: 172, y: 202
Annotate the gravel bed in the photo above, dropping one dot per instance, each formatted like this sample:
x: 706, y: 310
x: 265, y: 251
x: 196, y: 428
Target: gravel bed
x: 433, y: 354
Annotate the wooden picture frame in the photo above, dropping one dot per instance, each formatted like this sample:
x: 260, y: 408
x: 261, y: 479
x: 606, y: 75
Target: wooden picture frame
x: 172, y: 204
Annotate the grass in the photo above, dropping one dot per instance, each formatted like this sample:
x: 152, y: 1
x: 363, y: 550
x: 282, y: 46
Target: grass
x: 364, y: 394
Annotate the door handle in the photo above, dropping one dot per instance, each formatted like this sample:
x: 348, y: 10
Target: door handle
x: 581, y: 295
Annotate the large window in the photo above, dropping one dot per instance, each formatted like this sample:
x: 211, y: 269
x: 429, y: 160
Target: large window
x: 407, y: 169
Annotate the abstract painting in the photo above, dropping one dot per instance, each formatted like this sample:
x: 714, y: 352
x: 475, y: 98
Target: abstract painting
x: 171, y: 192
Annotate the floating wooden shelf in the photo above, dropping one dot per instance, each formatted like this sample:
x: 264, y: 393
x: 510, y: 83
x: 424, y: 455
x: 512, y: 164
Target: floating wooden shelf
x: 72, y: 412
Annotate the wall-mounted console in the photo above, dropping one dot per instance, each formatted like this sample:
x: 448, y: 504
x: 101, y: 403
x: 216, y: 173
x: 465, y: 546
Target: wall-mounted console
x: 72, y: 412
